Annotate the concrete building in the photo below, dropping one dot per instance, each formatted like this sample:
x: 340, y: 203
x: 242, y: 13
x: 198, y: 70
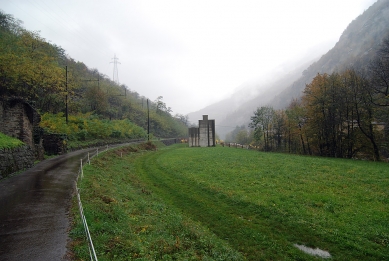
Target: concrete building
x: 204, y: 135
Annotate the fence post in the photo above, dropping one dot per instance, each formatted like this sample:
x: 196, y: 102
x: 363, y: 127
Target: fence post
x: 82, y: 171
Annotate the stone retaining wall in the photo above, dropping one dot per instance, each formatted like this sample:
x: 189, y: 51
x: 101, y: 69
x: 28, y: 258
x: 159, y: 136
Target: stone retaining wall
x: 169, y: 142
x: 16, y: 159
x: 18, y: 119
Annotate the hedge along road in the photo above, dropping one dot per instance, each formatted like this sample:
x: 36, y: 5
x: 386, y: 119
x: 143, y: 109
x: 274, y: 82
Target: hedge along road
x: 34, y: 209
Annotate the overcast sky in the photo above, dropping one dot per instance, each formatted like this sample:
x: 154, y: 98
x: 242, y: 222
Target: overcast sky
x: 192, y: 53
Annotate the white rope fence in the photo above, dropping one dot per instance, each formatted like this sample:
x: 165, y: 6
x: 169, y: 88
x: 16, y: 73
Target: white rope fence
x: 92, y: 251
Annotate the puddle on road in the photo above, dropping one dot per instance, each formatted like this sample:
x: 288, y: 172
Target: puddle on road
x: 314, y: 252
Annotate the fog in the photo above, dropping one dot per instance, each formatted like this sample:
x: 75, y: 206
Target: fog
x: 193, y: 53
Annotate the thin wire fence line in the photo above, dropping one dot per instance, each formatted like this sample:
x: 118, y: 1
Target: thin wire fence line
x: 88, y: 158
x: 92, y: 251
x: 91, y: 248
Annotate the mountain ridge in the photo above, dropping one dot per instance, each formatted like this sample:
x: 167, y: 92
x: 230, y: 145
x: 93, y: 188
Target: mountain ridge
x: 354, y: 48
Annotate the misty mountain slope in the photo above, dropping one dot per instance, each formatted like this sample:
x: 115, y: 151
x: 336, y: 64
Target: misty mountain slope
x: 354, y: 49
x: 241, y: 115
x: 245, y: 100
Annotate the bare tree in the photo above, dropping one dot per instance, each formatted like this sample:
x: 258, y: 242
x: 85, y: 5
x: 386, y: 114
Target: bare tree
x: 378, y: 71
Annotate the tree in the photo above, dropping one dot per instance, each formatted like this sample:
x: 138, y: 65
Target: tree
x: 378, y: 75
x: 364, y: 110
x: 29, y: 67
x: 240, y: 135
x: 243, y: 137
x: 322, y: 99
x: 97, y: 100
x: 9, y: 24
x: 262, y: 124
x: 379, y: 81
x: 231, y: 136
x: 296, y: 119
x: 160, y: 105
x: 340, y: 115
x: 279, y: 128
x: 182, y: 118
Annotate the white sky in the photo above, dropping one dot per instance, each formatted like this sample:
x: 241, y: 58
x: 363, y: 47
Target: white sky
x: 192, y: 53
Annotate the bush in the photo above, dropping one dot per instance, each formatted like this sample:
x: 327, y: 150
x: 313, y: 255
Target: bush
x: 82, y: 135
x: 82, y: 127
x: 116, y: 134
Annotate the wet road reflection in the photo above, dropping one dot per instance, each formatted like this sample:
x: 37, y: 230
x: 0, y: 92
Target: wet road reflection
x: 34, y: 209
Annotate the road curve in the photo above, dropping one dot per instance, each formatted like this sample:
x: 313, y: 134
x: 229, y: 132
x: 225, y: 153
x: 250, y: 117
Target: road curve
x: 34, y: 209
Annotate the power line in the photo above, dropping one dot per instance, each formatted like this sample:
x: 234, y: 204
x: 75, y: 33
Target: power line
x: 56, y: 19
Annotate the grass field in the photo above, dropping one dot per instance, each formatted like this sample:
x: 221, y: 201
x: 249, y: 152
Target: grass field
x: 181, y: 203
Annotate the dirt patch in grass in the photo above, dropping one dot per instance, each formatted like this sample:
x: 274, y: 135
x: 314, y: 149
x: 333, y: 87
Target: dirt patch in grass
x: 147, y: 146
x: 125, y: 150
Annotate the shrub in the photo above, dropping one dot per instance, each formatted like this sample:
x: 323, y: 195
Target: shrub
x: 86, y: 126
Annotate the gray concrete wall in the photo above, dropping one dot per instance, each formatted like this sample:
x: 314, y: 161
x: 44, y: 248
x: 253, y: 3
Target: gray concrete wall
x: 203, y: 132
x: 211, y: 133
x: 193, y: 138
x: 204, y: 135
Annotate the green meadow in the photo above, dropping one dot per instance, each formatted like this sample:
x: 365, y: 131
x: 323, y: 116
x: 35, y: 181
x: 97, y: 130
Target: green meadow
x: 219, y: 203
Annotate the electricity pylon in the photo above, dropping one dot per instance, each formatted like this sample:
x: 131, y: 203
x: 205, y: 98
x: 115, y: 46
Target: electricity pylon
x: 115, y: 69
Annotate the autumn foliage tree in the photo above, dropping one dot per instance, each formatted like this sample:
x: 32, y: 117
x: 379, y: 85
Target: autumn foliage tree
x: 28, y: 65
x: 296, y: 137
x: 339, y: 115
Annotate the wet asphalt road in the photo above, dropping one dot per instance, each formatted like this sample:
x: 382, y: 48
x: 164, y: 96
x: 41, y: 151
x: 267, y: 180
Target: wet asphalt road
x: 34, y: 209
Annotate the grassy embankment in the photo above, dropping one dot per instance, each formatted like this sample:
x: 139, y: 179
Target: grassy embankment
x: 7, y: 142
x: 224, y: 204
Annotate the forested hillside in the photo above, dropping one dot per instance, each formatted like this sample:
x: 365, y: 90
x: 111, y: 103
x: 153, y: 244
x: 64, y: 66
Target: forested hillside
x: 44, y: 75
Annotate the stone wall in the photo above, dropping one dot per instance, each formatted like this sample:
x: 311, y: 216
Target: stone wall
x: 16, y: 159
x: 17, y: 119
x: 170, y: 141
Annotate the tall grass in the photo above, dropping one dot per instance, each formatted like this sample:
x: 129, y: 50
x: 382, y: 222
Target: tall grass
x: 259, y: 204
